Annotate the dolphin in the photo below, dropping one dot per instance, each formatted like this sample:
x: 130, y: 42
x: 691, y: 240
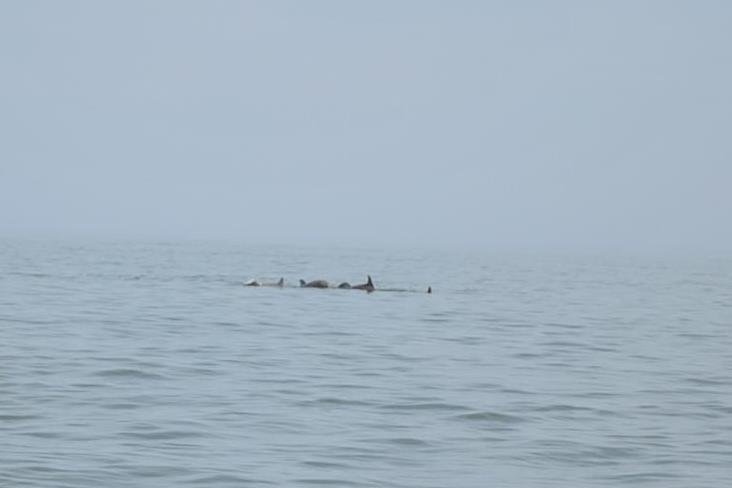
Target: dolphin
x: 429, y: 289
x: 368, y: 286
x: 345, y: 285
x: 280, y: 283
x: 314, y: 284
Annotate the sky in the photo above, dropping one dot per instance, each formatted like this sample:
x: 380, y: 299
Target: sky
x: 533, y: 124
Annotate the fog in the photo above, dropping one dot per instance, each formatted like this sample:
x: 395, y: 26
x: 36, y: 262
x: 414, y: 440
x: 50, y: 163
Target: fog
x: 589, y: 125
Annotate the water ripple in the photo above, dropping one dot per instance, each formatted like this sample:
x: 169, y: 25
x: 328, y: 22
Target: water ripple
x: 129, y: 373
x: 149, y: 365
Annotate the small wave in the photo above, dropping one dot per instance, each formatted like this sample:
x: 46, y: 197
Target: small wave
x: 18, y: 418
x: 634, y: 478
x: 199, y: 371
x: 225, y: 323
x: 516, y: 391
x: 195, y: 277
x: 218, y: 479
x: 609, y: 452
x: 336, y: 401
x: 721, y: 408
x: 695, y: 335
x: 527, y: 355
x: 121, y: 406
x: 164, y: 435
x: 35, y: 468
x: 436, y: 320
x: 346, y: 386
x: 336, y: 356
x: 564, y: 326
x: 87, y: 385
x: 326, y: 465
x: 708, y: 381
x: 594, y: 395
x: 29, y: 274
x: 128, y: 373
x: 426, y: 406
x: 563, y: 344
x: 488, y: 416
x: 327, y: 482
x: 153, y: 471
x: 44, y: 435
x: 408, y: 441
x: 563, y: 408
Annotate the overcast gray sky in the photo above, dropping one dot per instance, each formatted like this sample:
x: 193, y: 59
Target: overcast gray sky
x: 567, y: 123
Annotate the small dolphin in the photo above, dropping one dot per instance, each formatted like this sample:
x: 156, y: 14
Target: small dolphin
x: 368, y: 286
x: 314, y: 284
x: 280, y: 283
x: 344, y: 286
x: 429, y: 289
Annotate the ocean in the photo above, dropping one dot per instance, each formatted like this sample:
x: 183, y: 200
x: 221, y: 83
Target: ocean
x: 128, y: 364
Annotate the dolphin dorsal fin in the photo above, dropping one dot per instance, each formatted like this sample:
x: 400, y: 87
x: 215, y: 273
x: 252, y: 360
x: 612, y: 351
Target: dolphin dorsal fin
x: 302, y: 283
x: 369, y: 282
x: 281, y: 282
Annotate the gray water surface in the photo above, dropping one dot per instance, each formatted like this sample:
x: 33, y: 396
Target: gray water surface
x: 144, y: 364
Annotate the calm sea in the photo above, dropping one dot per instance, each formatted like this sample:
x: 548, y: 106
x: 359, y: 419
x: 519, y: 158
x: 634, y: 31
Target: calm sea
x: 149, y: 364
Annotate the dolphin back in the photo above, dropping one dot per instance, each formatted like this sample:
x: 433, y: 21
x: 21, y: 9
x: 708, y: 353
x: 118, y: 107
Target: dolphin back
x: 368, y: 286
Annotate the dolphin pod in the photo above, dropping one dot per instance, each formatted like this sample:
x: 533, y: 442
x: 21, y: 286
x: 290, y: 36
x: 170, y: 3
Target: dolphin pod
x: 368, y: 286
